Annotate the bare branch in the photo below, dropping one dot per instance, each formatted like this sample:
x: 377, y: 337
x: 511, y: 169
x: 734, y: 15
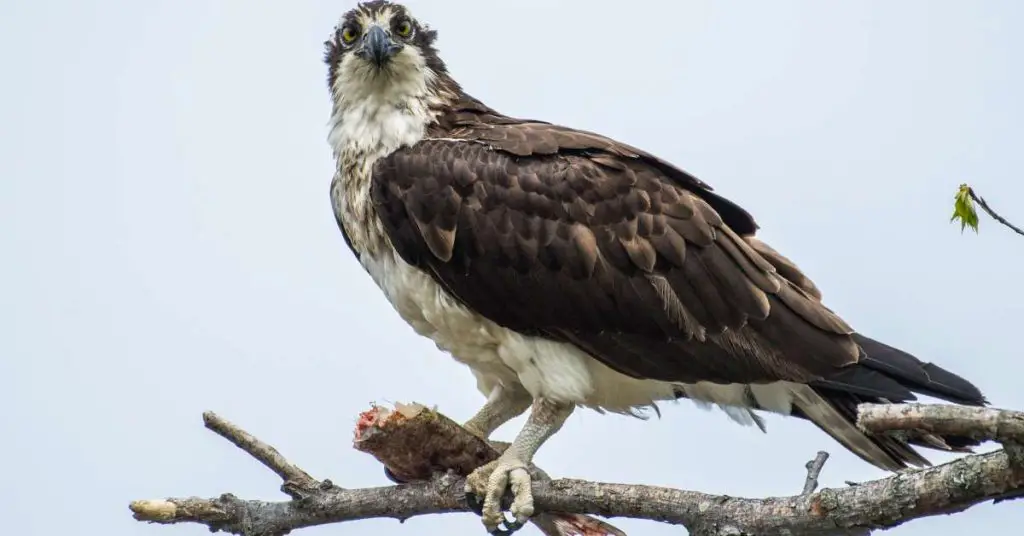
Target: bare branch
x: 295, y: 479
x: 1006, y: 427
x: 888, y: 502
x: 814, y: 471
x: 974, y: 422
x: 984, y: 206
x: 262, y: 518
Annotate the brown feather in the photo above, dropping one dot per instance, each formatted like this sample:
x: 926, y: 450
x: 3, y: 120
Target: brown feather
x: 785, y: 267
x: 675, y: 309
x: 671, y: 246
x: 640, y: 251
x: 552, y: 232
x: 812, y: 310
x: 754, y: 267
x: 440, y: 241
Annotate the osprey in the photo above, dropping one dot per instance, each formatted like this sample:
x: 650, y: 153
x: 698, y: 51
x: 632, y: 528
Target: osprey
x: 568, y: 269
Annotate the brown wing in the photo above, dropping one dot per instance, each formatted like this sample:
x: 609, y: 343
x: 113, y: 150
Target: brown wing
x: 472, y: 119
x: 595, y: 245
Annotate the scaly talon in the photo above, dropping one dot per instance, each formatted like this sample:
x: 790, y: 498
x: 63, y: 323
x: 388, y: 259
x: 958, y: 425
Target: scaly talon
x: 511, y: 470
x: 477, y: 507
x: 490, y: 482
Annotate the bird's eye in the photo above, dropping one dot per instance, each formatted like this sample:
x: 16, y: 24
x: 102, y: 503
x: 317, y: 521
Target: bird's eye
x: 404, y: 28
x: 348, y: 35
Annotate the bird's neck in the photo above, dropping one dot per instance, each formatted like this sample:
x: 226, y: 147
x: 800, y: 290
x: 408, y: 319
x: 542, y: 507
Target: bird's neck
x: 367, y: 123
x: 375, y: 118
x: 378, y: 125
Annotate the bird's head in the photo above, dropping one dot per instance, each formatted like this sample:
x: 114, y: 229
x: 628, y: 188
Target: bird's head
x: 378, y: 47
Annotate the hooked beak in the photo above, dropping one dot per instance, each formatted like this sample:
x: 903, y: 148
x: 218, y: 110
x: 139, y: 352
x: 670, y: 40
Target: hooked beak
x: 378, y: 47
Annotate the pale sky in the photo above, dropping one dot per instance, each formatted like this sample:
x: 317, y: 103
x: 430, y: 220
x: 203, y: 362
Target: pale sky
x: 170, y: 246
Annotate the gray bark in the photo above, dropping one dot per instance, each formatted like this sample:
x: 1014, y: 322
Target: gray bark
x: 417, y: 444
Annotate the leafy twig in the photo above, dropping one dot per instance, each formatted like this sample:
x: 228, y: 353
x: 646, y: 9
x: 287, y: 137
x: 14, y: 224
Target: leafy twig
x: 963, y: 210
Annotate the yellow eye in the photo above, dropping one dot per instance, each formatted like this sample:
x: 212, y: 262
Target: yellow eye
x: 404, y: 28
x: 348, y: 35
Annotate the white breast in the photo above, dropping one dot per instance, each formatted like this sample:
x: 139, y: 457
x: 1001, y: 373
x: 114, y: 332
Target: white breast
x: 544, y: 368
x: 501, y: 356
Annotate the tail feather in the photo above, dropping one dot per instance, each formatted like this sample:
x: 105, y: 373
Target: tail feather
x: 925, y: 378
x: 884, y: 375
x: 810, y: 404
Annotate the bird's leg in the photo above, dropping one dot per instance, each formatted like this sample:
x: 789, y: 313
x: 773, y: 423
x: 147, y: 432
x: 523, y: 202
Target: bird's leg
x: 511, y: 469
x: 503, y: 405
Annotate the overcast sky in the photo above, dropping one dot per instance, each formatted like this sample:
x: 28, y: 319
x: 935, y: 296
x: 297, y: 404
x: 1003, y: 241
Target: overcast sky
x: 169, y: 245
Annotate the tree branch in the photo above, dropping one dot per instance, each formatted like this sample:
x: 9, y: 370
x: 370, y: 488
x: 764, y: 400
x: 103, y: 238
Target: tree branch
x: 416, y: 443
x: 984, y: 206
x: 963, y: 210
x: 814, y: 468
x: 974, y: 422
x: 295, y: 480
x: 983, y: 424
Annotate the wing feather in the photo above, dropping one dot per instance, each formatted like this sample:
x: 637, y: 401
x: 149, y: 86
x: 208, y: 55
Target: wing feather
x: 563, y: 235
x: 759, y: 271
x: 670, y: 246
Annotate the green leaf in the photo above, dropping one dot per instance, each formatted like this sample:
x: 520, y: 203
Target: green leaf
x: 963, y: 209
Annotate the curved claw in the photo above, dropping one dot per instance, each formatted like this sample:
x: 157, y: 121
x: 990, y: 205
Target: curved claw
x: 474, y: 503
x: 477, y: 507
x: 498, y: 505
x: 511, y: 526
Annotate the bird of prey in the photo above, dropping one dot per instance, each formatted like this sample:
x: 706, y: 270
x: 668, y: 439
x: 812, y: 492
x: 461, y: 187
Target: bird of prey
x: 567, y: 269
